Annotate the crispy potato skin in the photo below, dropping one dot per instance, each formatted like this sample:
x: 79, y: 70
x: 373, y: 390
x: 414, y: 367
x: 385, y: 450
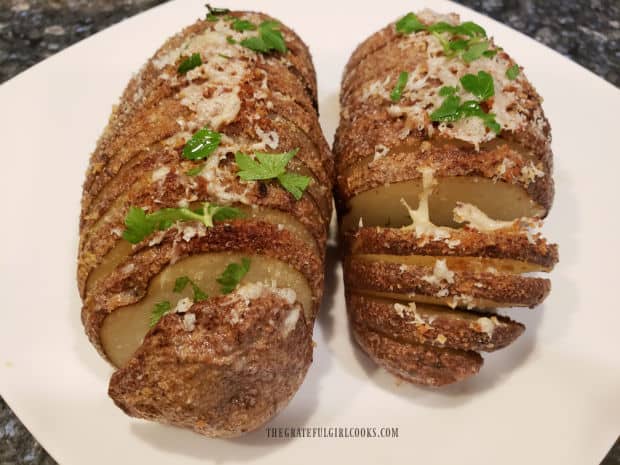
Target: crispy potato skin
x: 417, y: 363
x: 505, y: 289
x: 222, y: 379
x: 460, y: 331
x: 511, y: 244
x: 250, y: 237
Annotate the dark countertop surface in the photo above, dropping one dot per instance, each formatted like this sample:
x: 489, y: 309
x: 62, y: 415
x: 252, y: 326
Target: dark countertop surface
x: 31, y: 30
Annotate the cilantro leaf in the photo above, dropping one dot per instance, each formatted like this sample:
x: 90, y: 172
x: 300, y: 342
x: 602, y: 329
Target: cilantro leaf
x: 241, y: 25
x: 159, y: 310
x: 195, y: 171
x: 202, y: 144
x: 189, y: 63
x: 269, y: 38
x: 214, y: 13
x: 139, y: 224
x: 475, y: 51
x: 480, y: 85
x: 232, y: 275
x: 272, y: 166
x: 513, y: 72
x: 180, y: 283
x: 296, y: 184
x: 397, y: 92
x: 408, y: 24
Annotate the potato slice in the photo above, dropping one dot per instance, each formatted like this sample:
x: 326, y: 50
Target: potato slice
x: 123, y: 249
x: 433, y: 325
x: 417, y: 363
x: 123, y: 330
x: 236, y: 364
x: 440, y: 285
x: 382, y: 206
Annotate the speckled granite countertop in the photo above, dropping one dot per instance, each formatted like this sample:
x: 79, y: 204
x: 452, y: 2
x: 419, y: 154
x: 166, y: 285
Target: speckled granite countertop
x: 31, y: 30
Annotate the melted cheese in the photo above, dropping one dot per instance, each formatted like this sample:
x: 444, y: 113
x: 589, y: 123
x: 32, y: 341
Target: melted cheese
x: 441, y: 272
x: 477, y: 219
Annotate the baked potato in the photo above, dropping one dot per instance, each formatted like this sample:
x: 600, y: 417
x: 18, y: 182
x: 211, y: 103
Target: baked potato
x: 443, y: 174
x: 204, y: 219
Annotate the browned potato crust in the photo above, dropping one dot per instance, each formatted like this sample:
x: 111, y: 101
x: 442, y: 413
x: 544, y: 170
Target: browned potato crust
x: 466, y: 289
x: 503, y: 244
x: 226, y: 376
x: 417, y: 363
x: 433, y: 325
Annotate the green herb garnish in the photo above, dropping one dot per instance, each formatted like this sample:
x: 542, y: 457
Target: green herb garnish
x: 269, y: 38
x: 467, y: 39
x: 453, y: 110
x: 159, y: 310
x: 202, y: 144
x: 409, y: 23
x: 513, y: 72
x: 139, y: 224
x: 195, y: 171
x: 447, y: 90
x: 272, y: 166
x: 241, y: 25
x: 215, y: 13
x: 232, y: 275
x: 481, y: 85
x: 397, y: 92
x: 181, y: 283
x: 230, y: 40
x: 189, y: 63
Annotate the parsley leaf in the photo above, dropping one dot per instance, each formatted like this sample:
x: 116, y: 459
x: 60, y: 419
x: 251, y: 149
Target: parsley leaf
x: 202, y: 144
x: 241, y: 25
x: 214, y: 13
x: 452, y: 110
x: 189, y: 63
x: 269, y: 38
x: 447, y: 90
x: 195, y: 171
x: 397, y: 92
x: 409, y: 23
x: 230, y: 40
x: 159, y: 310
x: 232, y: 275
x: 139, y: 224
x: 296, y: 184
x: 481, y: 85
x: 513, y: 72
x: 272, y: 166
x: 181, y: 283
x: 475, y: 51
x: 490, y: 53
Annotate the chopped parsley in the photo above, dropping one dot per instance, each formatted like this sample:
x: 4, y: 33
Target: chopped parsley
x: 447, y: 90
x: 181, y: 283
x: 230, y: 40
x: 195, y: 171
x: 202, y: 144
x: 467, y: 39
x: 397, y: 92
x: 512, y: 72
x: 269, y: 39
x: 139, y: 224
x: 241, y: 25
x: 189, y: 63
x: 272, y: 166
x: 159, y: 310
x: 480, y: 85
x: 453, y: 110
x: 232, y: 275
x: 215, y: 13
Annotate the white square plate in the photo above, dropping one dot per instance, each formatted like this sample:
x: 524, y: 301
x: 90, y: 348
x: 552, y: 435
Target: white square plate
x: 552, y: 397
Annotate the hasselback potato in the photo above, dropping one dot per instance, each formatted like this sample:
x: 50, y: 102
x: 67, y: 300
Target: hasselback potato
x: 205, y: 212
x: 443, y: 174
